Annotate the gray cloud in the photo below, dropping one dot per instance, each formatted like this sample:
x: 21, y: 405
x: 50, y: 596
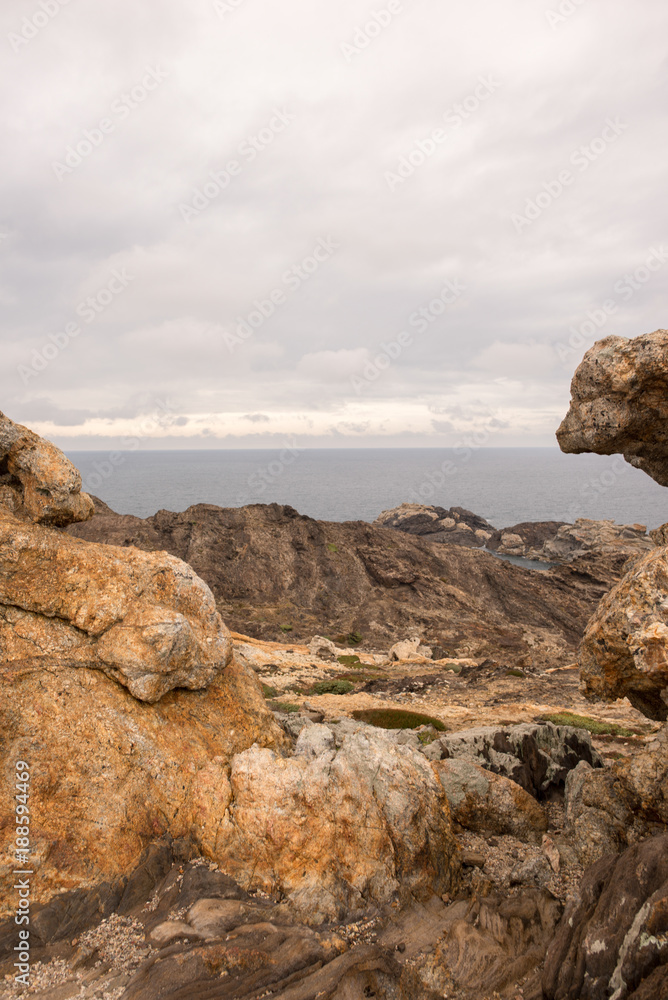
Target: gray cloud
x: 236, y: 314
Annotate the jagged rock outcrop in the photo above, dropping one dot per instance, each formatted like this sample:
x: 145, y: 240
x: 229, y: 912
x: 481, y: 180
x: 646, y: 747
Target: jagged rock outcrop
x: 624, y: 651
x: 612, y: 941
x: 456, y: 526
x: 537, y: 757
x: 570, y: 543
x: 272, y: 570
x: 619, y: 403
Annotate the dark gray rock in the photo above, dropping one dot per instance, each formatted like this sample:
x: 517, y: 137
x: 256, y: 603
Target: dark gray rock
x: 537, y: 756
x: 612, y: 941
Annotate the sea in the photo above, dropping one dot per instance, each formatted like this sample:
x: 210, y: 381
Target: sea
x: 504, y: 485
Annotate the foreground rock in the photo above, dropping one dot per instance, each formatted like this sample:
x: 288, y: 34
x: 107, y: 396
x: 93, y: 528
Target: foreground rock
x: 619, y: 403
x: 624, y: 651
x: 275, y: 573
x: 608, y: 810
x: 613, y: 939
x: 177, y: 927
x: 109, y: 773
x: 335, y: 828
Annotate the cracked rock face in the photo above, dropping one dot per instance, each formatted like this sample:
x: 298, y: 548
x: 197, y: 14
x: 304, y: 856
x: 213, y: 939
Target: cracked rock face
x: 619, y: 403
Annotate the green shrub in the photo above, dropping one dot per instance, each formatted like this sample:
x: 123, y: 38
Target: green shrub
x: 456, y: 668
x: 285, y: 628
x: 268, y: 691
x: 594, y: 726
x: 515, y: 673
x: 396, y: 718
x: 332, y: 548
x: 333, y: 687
x: 283, y: 706
x: 350, y: 661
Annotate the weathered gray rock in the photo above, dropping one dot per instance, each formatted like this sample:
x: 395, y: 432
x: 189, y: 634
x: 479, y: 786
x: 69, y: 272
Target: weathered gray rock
x: 607, y: 810
x: 489, y: 803
x: 536, y: 756
x: 612, y: 941
x: 331, y: 829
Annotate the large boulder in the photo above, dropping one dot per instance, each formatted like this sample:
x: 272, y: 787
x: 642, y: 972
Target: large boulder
x: 109, y: 773
x: 612, y: 941
x: 488, y: 803
x: 37, y: 482
x: 610, y: 809
x: 619, y: 403
x: 624, y: 651
x: 145, y: 619
x: 334, y: 829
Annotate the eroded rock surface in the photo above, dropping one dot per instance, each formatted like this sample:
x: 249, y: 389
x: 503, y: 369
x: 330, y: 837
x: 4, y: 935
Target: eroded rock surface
x: 613, y: 939
x: 332, y: 828
x: 619, y: 403
x: 109, y: 773
x: 489, y: 803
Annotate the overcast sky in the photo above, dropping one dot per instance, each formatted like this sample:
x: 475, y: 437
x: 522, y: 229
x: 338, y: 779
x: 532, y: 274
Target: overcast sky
x: 234, y: 224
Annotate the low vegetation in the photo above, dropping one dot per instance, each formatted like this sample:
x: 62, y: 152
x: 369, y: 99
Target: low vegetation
x: 396, y: 718
x: 332, y: 687
x: 594, y: 726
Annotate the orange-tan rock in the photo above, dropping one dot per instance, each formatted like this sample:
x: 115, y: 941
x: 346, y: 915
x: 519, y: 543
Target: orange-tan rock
x: 145, y: 619
x: 619, y: 397
x: 624, y: 651
x: 109, y: 773
x: 37, y: 482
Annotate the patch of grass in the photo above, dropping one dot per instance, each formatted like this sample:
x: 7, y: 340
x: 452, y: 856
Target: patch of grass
x: 283, y: 706
x: 455, y: 668
x: 332, y: 687
x: 285, y: 628
x: 331, y: 547
x: 515, y: 673
x: 594, y: 726
x: 426, y: 738
x: 268, y: 691
x: 396, y: 718
x: 358, y: 677
x: 350, y: 661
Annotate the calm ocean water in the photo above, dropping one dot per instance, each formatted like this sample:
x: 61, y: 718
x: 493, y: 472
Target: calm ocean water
x: 505, y: 485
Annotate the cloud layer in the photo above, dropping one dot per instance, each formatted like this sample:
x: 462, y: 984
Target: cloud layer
x: 358, y: 224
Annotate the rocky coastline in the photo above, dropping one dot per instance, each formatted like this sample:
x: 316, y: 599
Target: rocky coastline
x: 266, y: 756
